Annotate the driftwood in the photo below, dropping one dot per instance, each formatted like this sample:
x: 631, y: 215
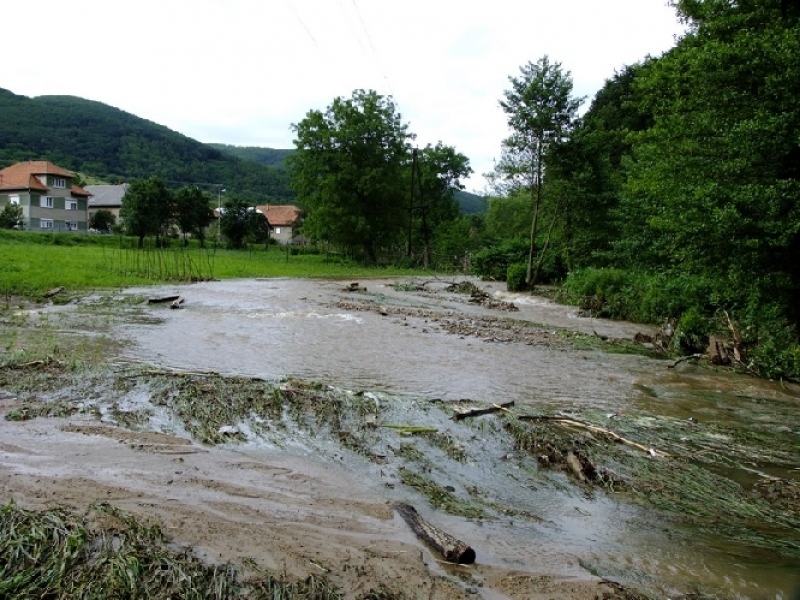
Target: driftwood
x: 53, y: 292
x: 355, y: 287
x: 163, y: 299
x: 475, y: 412
x: 453, y: 550
x: 717, y: 352
x: 594, y: 429
x: 684, y: 359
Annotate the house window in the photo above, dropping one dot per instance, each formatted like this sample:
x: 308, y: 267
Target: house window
x: 46, y: 223
x: 14, y: 199
x: 46, y: 202
x: 277, y: 230
x: 71, y: 205
x: 71, y: 225
x: 59, y: 182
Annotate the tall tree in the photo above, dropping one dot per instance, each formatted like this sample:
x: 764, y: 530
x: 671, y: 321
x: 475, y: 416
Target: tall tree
x: 541, y: 113
x: 192, y: 213
x: 439, y: 170
x: 589, y: 170
x: 347, y: 172
x: 241, y: 221
x: 715, y: 185
x: 146, y: 209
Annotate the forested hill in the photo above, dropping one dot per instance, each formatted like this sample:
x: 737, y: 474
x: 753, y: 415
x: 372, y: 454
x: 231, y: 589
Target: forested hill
x: 269, y: 157
x: 105, y: 142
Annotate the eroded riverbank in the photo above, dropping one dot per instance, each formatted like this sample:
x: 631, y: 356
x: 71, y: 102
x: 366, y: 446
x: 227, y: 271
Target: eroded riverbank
x: 306, y: 480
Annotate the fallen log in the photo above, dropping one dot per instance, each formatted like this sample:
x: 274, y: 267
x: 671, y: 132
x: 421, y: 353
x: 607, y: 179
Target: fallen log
x: 475, y: 412
x: 452, y: 549
x: 163, y: 299
x: 683, y: 359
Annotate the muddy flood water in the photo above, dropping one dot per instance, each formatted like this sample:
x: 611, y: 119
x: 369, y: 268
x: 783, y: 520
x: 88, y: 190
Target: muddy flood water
x: 413, y: 347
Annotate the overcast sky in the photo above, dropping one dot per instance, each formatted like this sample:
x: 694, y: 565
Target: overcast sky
x: 242, y: 71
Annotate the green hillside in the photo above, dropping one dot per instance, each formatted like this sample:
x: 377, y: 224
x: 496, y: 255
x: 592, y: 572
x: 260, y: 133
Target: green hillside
x: 105, y: 142
x: 269, y: 157
x: 470, y: 203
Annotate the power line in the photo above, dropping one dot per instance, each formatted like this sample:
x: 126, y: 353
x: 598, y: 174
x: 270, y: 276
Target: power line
x: 372, y: 46
x: 297, y: 16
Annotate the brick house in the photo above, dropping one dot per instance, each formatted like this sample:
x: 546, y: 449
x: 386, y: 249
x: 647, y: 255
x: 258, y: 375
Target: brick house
x: 49, y: 199
x: 284, y: 220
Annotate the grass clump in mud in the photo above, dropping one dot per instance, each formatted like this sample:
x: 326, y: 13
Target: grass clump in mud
x: 441, y: 497
x: 110, y: 554
x: 687, y: 484
x: 56, y: 555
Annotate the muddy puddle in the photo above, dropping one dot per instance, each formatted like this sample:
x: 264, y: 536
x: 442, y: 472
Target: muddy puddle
x: 397, y: 360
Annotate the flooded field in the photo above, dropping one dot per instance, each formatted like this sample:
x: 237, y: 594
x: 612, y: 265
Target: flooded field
x: 280, y: 420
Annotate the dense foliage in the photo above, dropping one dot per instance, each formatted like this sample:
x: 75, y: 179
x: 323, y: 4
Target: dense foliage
x: 269, y: 157
x: 149, y: 208
x: 112, y: 145
x: 354, y: 174
x: 541, y: 113
x: 680, y: 186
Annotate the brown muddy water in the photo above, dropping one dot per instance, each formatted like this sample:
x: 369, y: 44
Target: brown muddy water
x: 403, y: 344
x: 388, y: 340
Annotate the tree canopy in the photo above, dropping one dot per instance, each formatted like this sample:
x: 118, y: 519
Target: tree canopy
x: 346, y: 172
x: 541, y: 112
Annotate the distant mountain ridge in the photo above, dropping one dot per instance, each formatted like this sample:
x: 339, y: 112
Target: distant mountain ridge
x: 112, y: 145
x: 103, y: 141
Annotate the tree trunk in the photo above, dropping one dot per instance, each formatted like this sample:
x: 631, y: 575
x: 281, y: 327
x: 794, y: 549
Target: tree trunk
x: 536, y: 196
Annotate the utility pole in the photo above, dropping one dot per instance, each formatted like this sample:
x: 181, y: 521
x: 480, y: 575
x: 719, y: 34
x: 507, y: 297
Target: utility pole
x: 416, y: 185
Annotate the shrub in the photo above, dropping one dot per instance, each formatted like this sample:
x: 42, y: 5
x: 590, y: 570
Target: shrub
x: 493, y: 262
x: 515, y: 277
x: 691, y: 335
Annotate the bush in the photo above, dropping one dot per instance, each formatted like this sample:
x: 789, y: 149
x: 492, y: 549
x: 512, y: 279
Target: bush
x: 515, y: 277
x: 493, y: 262
x: 691, y: 335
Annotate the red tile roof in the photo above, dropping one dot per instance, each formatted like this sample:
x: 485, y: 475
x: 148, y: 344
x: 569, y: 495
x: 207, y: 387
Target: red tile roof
x: 79, y: 191
x: 22, y: 176
x: 284, y: 215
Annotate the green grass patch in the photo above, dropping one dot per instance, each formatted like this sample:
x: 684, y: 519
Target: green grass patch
x: 34, y: 263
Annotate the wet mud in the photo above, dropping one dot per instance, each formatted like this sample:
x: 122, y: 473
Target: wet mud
x: 280, y: 421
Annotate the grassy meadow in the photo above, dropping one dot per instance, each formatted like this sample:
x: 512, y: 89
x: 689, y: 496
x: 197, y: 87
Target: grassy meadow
x: 33, y: 263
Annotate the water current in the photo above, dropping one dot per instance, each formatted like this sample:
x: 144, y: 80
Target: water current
x: 298, y: 328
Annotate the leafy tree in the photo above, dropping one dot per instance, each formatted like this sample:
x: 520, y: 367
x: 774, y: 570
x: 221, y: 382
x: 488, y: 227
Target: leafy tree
x: 10, y: 216
x: 714, y: 187
x: 541, y: 113
x: 347, y: 170
x: 103, y: 220
x: 240, y: 222
x: 146, y: 209
x: 588, y: 171
x: 192, y: 213
x: 439, y: 172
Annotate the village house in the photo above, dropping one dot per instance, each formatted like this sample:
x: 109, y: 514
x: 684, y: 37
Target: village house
x: 284, y: 220
x: 49, y: 199
x: 106, y: 197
